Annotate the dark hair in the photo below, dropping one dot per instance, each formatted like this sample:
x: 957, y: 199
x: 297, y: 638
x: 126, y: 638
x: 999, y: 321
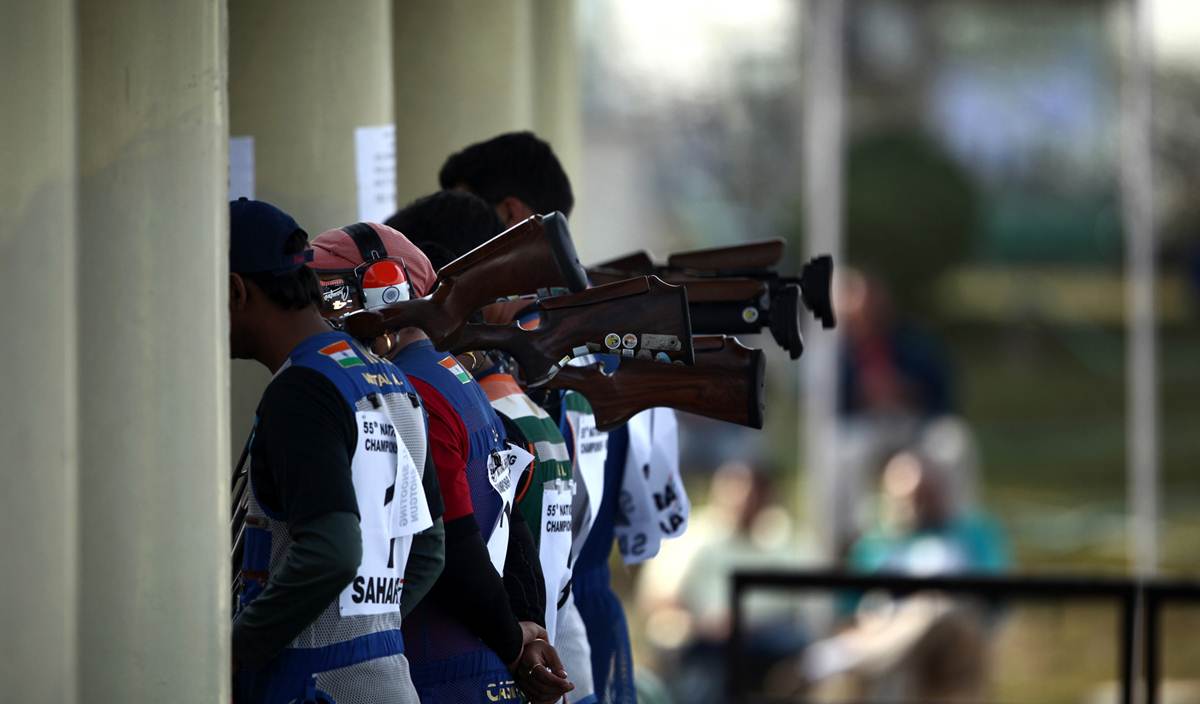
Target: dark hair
x: 512, y: 164
x: 294, y: 290
x: 447, y: 224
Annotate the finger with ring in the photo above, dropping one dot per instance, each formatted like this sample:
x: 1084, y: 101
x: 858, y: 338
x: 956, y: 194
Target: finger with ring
x: 531, y: 670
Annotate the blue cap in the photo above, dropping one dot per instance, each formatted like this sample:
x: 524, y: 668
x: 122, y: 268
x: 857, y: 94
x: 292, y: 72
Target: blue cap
x: 258, y: 233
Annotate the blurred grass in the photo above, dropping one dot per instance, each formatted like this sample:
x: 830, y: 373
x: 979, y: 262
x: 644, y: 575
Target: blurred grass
x: 1053, y: 654
x: 1048, y: 404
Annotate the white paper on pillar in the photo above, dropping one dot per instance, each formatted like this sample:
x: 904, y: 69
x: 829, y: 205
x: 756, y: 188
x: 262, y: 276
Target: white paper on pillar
x: 375, y: 167
x: 241, y: 168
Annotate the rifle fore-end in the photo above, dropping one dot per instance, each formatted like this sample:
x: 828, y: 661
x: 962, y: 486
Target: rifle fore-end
x: 725, y: 384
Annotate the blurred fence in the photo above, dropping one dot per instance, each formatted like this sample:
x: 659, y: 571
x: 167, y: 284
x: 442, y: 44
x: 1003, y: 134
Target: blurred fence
x: 1138, y: 601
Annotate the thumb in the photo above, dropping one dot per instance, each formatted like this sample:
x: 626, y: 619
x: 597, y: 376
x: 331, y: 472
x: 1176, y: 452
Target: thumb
x: 551, y: 660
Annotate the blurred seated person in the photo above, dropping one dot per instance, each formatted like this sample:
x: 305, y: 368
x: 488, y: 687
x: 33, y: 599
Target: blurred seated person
x: 922, y: 529
x: 683, y: 594
x: 927, y: 647
x: 894, y: 379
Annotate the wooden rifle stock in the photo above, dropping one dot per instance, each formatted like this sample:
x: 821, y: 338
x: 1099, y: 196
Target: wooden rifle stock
x: 763, y: 254
x: 726, y: 384
x: 637, y: 262
x: 644, y: 316
x: 533, y: 255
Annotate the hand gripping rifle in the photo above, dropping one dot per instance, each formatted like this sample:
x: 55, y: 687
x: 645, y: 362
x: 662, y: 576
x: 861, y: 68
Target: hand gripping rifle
x: 532, y: 256
x: 642, y: 319
x: 735, y: 289
x: 726, y: 384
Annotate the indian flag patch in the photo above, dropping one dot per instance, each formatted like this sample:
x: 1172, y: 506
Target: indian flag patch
x: 451, y: 365
x: 343, y: 354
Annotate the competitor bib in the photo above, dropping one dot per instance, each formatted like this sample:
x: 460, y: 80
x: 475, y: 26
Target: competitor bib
x: 504, y: 468
x: 591, y: 449
x: 554, y: 550
x: 653, y: 505
x: 392, y: 507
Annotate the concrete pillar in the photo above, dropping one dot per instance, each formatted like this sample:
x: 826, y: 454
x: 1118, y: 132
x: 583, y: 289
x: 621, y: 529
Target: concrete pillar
x: 466, y: 71
x: 38, y: 523
x: 557, y: 112
x: 302, y: 76
x: 153, y: 349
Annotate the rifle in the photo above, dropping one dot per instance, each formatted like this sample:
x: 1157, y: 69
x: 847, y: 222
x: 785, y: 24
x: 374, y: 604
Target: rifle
x: 734, y: 289
x: 640, y: 318
x: 726, y: 384
x: 534, y: 255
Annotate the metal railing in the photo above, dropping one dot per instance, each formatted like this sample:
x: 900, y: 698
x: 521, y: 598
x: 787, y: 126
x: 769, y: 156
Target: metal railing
x: 1133, y: 597
x: 1155, y: 594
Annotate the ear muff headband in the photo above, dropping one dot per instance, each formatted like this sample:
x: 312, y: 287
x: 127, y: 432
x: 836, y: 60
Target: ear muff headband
x: 370, y: 247
x: 369, y: 244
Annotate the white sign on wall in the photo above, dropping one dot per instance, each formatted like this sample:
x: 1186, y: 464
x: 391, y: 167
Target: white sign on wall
x: 375, y: 166
x: 241, y: 167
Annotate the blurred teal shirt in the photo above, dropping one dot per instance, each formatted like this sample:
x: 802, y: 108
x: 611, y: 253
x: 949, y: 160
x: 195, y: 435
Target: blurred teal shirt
x: 969, y: 544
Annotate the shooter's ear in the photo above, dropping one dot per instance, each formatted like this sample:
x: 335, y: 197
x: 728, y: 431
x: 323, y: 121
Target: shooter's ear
x: 238, y: 292
x: 513, y: 210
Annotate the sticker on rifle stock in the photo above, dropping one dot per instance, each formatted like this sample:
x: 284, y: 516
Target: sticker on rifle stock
x: 643, y: 354
x: 612, y: 340
x: 662, y: 357
x: 629, y: 341
x: 670, y: 343
x: 750, y: 314
x: 579, y: 351
x: 627, y: 353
